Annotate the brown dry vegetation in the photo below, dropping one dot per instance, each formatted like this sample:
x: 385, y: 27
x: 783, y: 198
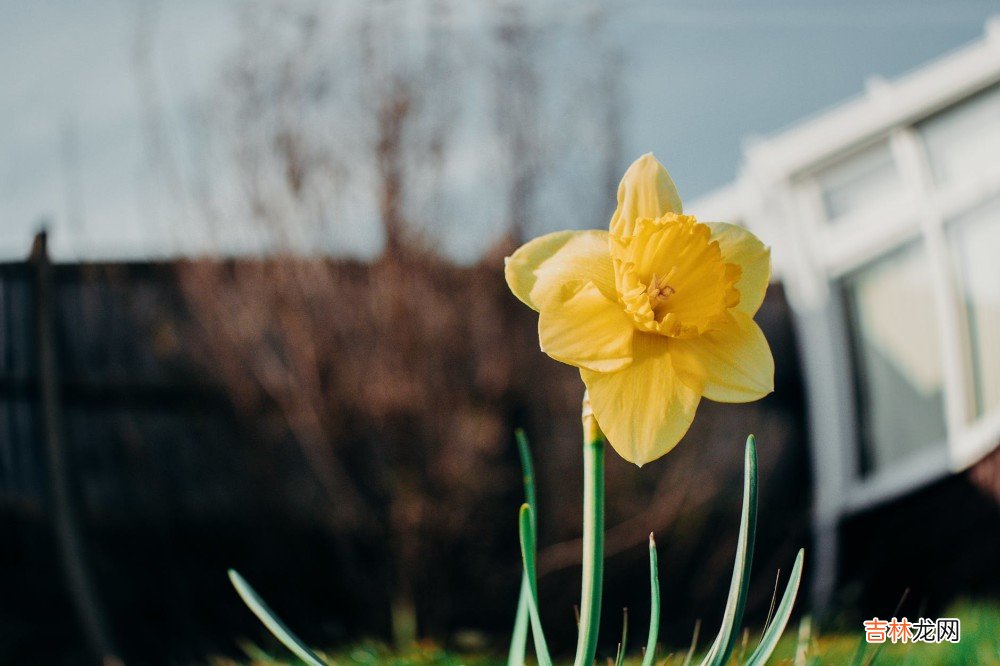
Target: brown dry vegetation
x: 401, y: 382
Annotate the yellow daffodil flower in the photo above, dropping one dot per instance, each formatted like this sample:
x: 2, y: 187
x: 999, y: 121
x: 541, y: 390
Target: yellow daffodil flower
x: 656, y: 312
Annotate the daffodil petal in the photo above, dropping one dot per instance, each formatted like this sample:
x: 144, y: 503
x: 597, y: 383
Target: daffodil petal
x: 644, y: 409
x: 730, y: 363
x: 739, y: 246
x: 585, y: 328
x: 539, y: 269
x: 646, y: 191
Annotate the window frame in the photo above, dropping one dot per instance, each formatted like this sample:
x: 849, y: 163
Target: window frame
x: 818, y: 175
x: 839, y: 247
x: 865, y: 467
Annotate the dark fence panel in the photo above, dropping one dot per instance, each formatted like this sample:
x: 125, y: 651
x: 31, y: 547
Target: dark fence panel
x: 20, y: 459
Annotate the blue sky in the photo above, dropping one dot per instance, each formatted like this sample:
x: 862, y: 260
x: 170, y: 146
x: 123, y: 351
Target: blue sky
x: 699, y: 78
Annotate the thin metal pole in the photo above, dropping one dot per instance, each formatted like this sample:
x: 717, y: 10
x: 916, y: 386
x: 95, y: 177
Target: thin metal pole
x: 65, y: 521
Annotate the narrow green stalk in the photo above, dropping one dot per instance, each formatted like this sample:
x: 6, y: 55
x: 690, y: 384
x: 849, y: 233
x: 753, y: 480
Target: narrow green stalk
x: 527, y: 472
x: 802, y: 644
x: 654, y: 605
x: 525, y: 524
x: 724, y: 643
x: 773, y: 633
x: 593, y: 545
x: 694, y: 644
x: 623, y: 644
x: 272, y: 621
x: 519, y: 637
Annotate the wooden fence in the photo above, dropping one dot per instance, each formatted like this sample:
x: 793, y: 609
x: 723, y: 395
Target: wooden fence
x: 95, y: 428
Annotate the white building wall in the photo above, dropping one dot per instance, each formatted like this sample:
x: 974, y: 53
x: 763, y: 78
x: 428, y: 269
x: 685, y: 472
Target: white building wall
x: 882, y: 215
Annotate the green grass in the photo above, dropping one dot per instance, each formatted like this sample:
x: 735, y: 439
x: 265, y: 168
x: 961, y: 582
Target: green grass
x: 980, y: 644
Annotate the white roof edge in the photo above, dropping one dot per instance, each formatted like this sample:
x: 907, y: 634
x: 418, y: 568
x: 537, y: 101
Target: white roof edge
x: 884, y: 105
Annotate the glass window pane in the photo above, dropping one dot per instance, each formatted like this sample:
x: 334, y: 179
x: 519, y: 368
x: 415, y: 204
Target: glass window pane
x: 897, y: 354
x: 861, y: 180
x: 965, y: 139
x: 975, y: 241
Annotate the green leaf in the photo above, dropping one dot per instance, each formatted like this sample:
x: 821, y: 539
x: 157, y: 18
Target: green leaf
x: 774, y: 600
x: 859, y: 653
x: 879, y: 646
x: 733, y: 615
x: 528, y: 474
x: 526, y: 530
x: 623, y: 644
x: 654, y: 605
x: 694, y: 644
x: 773, y: 633
x: 271, y: 621
x: 802, y: 644
x: 519, y: 637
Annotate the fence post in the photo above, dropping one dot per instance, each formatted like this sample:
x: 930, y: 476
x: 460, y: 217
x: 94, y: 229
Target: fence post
x: 66, y: 524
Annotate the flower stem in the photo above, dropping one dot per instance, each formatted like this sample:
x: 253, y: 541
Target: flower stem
x: 593, y: 545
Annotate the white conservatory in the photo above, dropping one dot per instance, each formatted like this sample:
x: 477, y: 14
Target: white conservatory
x: 884, y: 218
